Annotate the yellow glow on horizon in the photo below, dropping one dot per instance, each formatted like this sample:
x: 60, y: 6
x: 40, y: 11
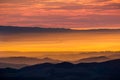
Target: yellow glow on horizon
x: 94, y: 28
x: 64, y: 42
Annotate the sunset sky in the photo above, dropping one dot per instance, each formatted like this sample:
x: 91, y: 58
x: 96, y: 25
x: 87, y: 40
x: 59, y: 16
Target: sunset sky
x: 73, y: 14
x: 61, y: 13
x: 59, y: 45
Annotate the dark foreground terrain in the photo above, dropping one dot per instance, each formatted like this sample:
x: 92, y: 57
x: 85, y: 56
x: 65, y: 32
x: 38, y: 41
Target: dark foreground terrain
x: 109, y: 70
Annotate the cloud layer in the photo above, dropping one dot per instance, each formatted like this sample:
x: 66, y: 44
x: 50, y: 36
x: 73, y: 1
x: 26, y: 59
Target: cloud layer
x: 61, y: 13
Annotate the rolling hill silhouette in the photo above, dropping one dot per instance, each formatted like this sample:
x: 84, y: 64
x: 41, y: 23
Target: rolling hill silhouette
x: 11, y: 65
x: 92, y: 59
x: 109, y: 70
x: 28, y: 60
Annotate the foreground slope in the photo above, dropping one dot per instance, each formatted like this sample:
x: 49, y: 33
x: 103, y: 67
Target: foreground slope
x: 109, y: 70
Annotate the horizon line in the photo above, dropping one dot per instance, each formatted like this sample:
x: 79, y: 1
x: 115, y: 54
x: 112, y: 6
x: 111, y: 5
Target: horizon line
x: 61, y: 51
x: 76, y: 28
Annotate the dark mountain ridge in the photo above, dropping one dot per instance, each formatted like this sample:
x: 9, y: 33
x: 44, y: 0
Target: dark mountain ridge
x: 16, y: 29
x: 108, y: 70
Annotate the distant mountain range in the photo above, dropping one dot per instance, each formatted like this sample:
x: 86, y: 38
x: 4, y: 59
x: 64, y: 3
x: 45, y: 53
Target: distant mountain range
x: 28, y: 60
x: 18, y: 29
x: 109, y: 70
x: 19, y: 62
x: 115, y: 56
x: 10, y: 65
x: 92, y: 59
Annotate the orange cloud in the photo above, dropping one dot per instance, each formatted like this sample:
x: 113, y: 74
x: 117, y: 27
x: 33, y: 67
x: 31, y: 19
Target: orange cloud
x: 60, y: 13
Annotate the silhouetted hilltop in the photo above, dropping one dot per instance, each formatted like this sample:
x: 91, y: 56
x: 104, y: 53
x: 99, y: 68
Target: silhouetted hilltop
x: 109, y: 70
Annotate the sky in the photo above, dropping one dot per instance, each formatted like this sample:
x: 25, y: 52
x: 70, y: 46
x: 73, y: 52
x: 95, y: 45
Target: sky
x: 60, y: 42
x: 74, y: 14
x: 61, y: 13
x: 61, y: 45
